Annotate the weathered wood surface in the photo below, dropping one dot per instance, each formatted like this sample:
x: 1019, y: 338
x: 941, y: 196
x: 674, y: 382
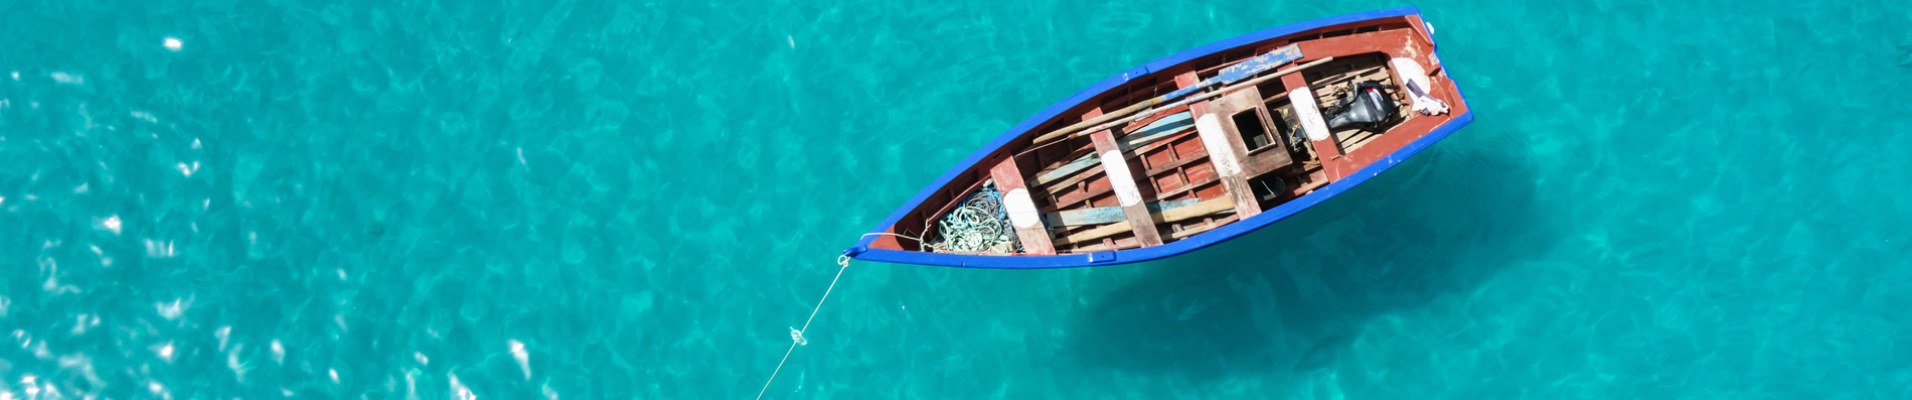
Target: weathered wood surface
x: 1071, y: 132
x: 1312, y: 125
x: 1203, y: 208
x: 1191, y: 103
x: 1150, y: 130
x: 1246, y: 68
x: 1104, y: 190
x: 1224, y: 145
x: 1197, y: 230
x: 1021, y: 208
x: 1091, y: 172
x: 1395, y: 43
x: 1116, y: 169
x: 1106, y: 215
x: 1068, y: 170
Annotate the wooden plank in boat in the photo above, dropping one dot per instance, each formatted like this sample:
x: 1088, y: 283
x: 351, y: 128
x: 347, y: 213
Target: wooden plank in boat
x: 1090, y: 172
x: 1021, y: 208
x: 1197, y: 230
x: 1115, y: 168
x: 1155, y: 130
x: 1192, y: 185
x: 1225, y: 149
x: 1185, y: 233
x: 1315, y: 128
x: 1189, y: 160
x: 1158, y: 129
x: 1067, y: 170
x: 1204, y: 208
x: 1106, y: 215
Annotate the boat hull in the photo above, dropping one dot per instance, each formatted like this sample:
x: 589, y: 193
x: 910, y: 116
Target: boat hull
x: 865, y: 251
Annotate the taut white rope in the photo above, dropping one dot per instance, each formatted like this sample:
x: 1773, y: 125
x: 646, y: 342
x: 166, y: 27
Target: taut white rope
x: 796, y: 335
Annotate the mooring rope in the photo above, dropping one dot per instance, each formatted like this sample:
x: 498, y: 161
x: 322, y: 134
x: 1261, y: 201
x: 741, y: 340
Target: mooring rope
x: 889, y: 234
x: 796, y: 335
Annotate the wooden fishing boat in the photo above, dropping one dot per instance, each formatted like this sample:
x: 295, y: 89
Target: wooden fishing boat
x: 1187, y: 151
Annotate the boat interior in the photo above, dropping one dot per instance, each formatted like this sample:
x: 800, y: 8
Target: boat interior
x: 1171, y: 172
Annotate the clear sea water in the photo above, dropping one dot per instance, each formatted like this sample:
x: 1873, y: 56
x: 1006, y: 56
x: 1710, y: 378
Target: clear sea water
x: 579, y: 200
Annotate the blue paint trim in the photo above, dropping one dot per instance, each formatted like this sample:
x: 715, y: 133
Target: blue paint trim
x: 862, y: 251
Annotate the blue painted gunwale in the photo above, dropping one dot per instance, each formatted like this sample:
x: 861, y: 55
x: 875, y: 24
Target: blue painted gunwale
x: 862, y: 251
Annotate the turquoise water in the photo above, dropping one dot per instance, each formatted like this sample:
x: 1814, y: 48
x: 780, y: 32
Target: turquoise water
x: 398, y: 199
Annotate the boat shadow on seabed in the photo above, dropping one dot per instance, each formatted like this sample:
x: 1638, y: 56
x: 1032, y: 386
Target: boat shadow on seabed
x: 1291, y: 297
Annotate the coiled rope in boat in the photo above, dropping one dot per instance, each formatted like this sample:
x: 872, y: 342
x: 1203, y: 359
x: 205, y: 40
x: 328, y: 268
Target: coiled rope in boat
x: 980, y: 225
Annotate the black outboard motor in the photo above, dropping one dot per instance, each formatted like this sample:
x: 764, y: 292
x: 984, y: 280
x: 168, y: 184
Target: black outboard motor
x: 1369, y: 104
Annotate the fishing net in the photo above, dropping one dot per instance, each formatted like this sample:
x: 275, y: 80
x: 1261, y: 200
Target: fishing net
x: 979, y: 225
